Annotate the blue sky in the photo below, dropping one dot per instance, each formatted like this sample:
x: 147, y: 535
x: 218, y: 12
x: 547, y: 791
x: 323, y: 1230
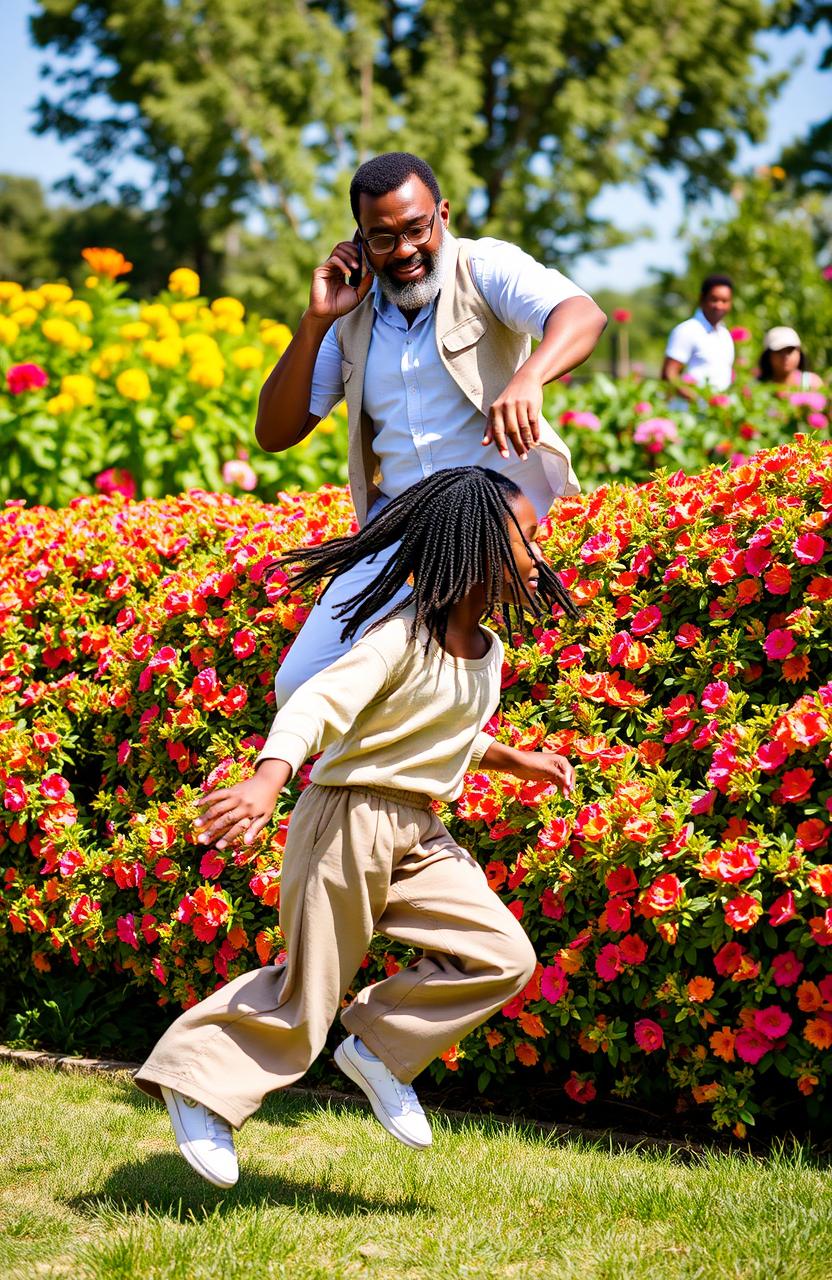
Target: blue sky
x: 804, y: 101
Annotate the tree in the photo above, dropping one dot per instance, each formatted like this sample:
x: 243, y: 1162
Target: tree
x: 809, y: 160
x: 25, y: 246
x: 260, y: 109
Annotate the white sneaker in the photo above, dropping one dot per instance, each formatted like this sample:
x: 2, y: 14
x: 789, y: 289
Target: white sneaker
x: 203, y: 1137
x: 395, y: 1104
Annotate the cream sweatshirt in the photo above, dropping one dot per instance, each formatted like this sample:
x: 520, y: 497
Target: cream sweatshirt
x: 391, y: 713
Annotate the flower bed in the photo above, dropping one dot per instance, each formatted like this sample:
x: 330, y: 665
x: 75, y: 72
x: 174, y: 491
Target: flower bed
x: 680, y: 900
x: 101, y: 394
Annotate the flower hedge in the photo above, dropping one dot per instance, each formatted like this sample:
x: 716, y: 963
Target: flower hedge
x: 680, y: 900
x: 101, y: 393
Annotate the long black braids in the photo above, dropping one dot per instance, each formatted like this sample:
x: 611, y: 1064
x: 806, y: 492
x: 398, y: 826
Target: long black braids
x: 453, y: 534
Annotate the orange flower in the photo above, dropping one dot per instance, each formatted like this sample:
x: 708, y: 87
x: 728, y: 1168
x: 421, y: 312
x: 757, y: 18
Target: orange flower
x: 107, y: 262
x: 806, y: 1083
x: 795, y: 668
x: 451, y: 1057
x: 818, y: 1032
x: 532, y: 1025
x: 700, y: 989
x: 706, y: 1092
x: 493, y: 1038
x: 809, y: 997
x: 526, y: 1054
x: 722, y: 1044
x: 42, y: 962
x: 569, y: 961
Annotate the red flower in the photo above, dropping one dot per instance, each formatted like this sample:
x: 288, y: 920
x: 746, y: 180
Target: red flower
x: 579, y: 1088
x: 661, y: 896
x: 646, y: 620
x: 796, y: 784
x: 742, y: 913
x: 54, y: 787
x: 15, y: 795
x: 783, y: 909
x: 809, y: 548
x: 649, y: 1035
x: 621, y: 881
x: 25, y: 377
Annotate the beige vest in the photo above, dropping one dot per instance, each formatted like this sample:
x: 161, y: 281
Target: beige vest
x: 480, y: 353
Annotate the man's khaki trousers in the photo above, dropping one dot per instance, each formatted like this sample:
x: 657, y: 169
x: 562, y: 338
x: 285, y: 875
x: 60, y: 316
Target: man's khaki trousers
x: 357, y: 861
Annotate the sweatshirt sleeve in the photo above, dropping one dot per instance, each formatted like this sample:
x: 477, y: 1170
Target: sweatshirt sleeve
x: 481, y: 744
x: 325, y: 706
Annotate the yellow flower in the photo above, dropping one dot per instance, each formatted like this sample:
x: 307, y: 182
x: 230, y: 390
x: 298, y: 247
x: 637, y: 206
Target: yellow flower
x: 79, y: 310
x: 9, y: 330
x: 59, y: 404
x: 166, y: 352
x: 184, y: 424
x: 8, y: 289
x: 55, y: 292
x: 207, y: 319
x: 107, y: 262
x: 247, y: 357
x: 26, y: 317
x: 201, y: 346
x: 80, y: 387
x: 134, y: 331
x: 231, y: 307
x: 64, y: 334
x: 29, y: 298
x: 327, y: 425
x: 183, y: 311
x: 777, y: 172
x: 133, y: 384
x: 207, y: 374
x: 276, y: 335
x: 184, y: 281
x: 155, y: 313
x: 91, y: 282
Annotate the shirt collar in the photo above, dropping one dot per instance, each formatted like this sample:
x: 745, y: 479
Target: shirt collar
x: 699, y: 315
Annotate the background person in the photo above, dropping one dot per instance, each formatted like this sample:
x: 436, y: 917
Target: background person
x: 432, y: 351
x: 783, y: 361
x: 702, y: 347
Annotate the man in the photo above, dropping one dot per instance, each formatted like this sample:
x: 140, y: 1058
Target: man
x: 431, y: 349
x: 702, y: 346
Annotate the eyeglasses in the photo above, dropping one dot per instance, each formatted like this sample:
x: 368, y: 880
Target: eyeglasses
x: 388, y: 241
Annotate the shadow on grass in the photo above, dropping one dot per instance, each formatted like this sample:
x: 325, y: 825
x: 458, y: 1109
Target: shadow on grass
x: 165, y: 1186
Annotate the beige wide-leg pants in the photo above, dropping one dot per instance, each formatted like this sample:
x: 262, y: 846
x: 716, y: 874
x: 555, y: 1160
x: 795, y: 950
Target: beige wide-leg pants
x: 357, y: 861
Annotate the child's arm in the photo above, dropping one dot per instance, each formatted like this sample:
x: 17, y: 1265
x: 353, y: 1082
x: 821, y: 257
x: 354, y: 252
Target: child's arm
x: 319, y: 711
x: 533, y: 766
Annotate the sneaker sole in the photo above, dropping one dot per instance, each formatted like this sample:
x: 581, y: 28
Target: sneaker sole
x: 354, y: 1073
x: 182, y: 1143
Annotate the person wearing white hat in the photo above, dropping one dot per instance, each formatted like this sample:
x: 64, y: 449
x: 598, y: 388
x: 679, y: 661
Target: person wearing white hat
x: 783, y: 360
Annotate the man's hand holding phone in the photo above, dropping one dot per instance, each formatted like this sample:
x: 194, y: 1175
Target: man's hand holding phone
x: 341, y: 282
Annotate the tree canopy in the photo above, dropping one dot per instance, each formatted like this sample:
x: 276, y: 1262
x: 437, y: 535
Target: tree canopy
x: 253, y: 113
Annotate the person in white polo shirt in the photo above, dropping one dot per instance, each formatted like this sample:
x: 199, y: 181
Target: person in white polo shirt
x: 428, y: 339
x: 702, y: 348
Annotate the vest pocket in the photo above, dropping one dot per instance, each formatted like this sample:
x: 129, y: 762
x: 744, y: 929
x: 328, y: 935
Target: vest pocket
x: 465, y: 334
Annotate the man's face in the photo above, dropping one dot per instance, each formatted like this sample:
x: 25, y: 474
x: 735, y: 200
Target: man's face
x: 716, y: 303
x: 405, y: 270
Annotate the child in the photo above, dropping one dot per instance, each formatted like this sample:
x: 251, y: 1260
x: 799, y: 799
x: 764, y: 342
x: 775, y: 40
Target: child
x: 400, y: 716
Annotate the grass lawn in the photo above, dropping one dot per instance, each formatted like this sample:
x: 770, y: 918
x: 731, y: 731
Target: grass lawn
x: 92, y: 1187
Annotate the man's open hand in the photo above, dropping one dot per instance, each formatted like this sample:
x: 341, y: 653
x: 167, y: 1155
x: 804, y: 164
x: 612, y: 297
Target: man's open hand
x: 514, y: 417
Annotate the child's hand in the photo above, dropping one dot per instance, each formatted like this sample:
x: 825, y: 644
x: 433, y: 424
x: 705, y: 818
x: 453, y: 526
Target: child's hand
x: 241, y: 810
x: 545, y: 766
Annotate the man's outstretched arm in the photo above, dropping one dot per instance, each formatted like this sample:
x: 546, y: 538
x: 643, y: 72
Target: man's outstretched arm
x: 570, y: 335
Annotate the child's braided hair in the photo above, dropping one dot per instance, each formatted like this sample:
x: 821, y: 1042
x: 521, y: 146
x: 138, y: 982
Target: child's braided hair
x: 452, y: 531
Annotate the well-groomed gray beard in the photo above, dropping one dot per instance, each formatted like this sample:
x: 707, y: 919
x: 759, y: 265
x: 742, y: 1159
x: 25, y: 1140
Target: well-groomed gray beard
x: 414, y: 294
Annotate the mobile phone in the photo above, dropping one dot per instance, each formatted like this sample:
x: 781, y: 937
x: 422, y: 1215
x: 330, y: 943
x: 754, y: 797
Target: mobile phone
x: 355, y: 276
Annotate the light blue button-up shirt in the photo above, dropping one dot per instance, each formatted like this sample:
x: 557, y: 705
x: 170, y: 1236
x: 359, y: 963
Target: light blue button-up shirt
x: 423, y: 420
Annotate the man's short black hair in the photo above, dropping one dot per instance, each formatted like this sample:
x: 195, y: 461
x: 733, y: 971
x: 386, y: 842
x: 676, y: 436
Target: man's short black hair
x: 712, y: 282
x: 388, y: 172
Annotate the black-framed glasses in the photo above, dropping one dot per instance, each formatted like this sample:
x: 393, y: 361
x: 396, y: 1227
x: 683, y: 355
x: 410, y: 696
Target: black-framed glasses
x: 388, y: 241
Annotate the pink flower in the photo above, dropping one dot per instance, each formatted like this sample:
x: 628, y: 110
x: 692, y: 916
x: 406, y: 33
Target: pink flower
x: 720, y: 401
x: 817, y: 420
x: 786, y: 969
x: 655, y: 433
x: 553, y: 983
x: 211, y: 865
x: 646, y: 620
x: 740, y: 334
x: 809, y: 548
x: 601, y: 546
x: 643, y: 406
x: 240, y: 473
x: 778, y: 644
x: 25, y: 377
x: 751, y: 1045
x: 772, y: 1021
x: 116, y: 480
x: 15, y: 795
x: 649, y: 1035
x: 54, y: 786
x: 714, y: 695
x: 244, y: 643
x: 808, y: 399
x: 783, y: 909
x: 622, y: 316
x: 126, y: 930
x: 770, y: 756
x: 608, y: 962
x: 827, y: 273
